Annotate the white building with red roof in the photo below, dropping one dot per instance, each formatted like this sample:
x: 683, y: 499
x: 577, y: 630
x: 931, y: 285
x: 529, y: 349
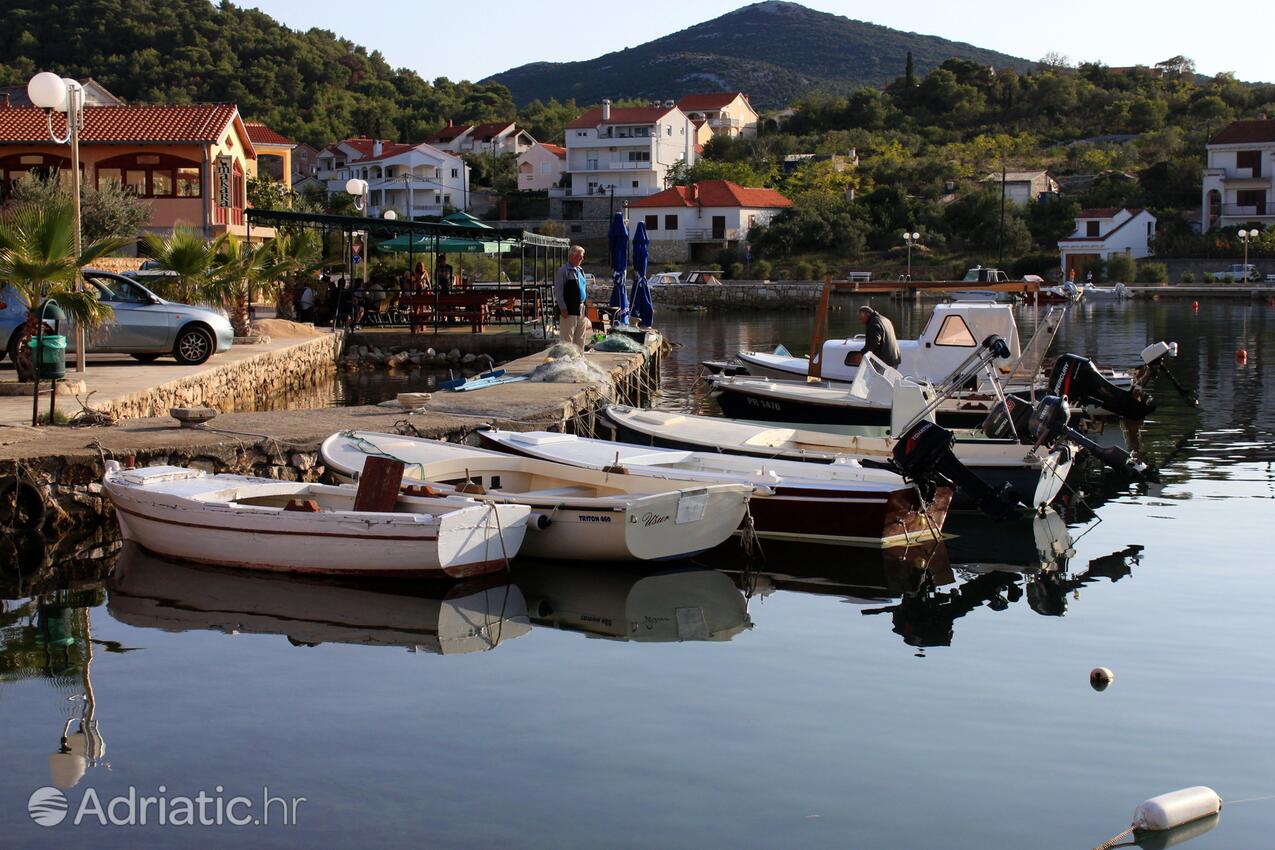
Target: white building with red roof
x: 1102, y: 233
x: 497, y: 137
x: 1239, y: 177
x: 190, y: 161
x: 724, y: 113
x: 413, y: 180
x: 540, y: 167
x: 714, y: 214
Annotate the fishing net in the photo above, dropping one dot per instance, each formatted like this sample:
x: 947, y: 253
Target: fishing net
x: 619, y: 344
x: 566, y: 364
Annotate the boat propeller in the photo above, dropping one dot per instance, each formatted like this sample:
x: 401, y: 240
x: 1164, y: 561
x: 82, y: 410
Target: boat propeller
x: 924, y: 456
x: 1048, y: 424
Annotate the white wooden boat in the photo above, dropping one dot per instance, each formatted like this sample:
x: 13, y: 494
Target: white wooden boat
x: 1034, y: 472
x: 287, y: 526
x: 473, y: 615
x: 580, y: 514
x: 843, y: 502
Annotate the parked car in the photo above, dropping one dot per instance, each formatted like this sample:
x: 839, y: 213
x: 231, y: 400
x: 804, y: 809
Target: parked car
x: 144, y: 325
x: 664, y: 278
x: 1238, y: 271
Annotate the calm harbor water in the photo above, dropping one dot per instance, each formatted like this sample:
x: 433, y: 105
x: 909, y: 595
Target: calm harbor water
x: 828, y: 697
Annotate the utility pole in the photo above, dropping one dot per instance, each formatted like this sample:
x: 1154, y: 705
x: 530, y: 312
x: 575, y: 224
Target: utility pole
x: 1000, y: 251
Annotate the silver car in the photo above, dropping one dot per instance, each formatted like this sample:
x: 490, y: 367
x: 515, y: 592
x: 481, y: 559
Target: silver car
x: 145, y: 325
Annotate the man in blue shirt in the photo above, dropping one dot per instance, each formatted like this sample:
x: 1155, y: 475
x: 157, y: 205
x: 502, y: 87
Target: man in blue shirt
x: 570, y: 295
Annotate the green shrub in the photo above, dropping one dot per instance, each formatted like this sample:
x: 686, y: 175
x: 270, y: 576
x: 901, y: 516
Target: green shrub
x: 762, y: 270
x: 801, y: 270
x: 1121, y: 268
x: 785, y: 273
x: 1039, y: 264
x: 736, y: 271
x: 1153, y: 273
x: 817, y: 269
x: 1188, y: 276
x: 1209, y: 278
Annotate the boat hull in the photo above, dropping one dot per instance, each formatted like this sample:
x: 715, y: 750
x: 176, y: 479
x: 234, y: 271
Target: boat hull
x: 741, y: 404
x: 835, y: 517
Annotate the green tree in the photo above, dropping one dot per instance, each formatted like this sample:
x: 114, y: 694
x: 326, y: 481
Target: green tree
x: 189, y: 257
x: 107, y: 213
x: 38, y: 260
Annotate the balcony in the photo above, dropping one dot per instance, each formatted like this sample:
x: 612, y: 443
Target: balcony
x: 1248, y: 211
x: 614, y: 165
x: 707, y: 234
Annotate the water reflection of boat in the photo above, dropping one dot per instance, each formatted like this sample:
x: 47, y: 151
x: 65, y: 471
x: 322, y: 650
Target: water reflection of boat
x: 471, y: 616
x: 627, y: 603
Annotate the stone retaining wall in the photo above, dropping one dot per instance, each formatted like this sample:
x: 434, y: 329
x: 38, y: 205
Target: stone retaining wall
x: 297, y: 367
x: 733, y: 295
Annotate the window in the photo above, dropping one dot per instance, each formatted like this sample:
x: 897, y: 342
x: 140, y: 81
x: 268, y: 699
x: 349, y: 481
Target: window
x: 639, y: 156
x: 1091, y: 228
x: 17, y: 166
x: 152, y: 175
x: 1249, y: 159
x: 669, y: 130
x: 580, y: 134
x: 954, y: 331
x: 113, y: 290
x: 1252, y: 198
x: 455, y: 172
x: 652, y: 222
x: 1150, y: 228
x: 635, y: 184
x: 670, y: 222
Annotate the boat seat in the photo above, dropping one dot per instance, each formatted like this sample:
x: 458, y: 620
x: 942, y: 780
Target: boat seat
x: 551, y: 492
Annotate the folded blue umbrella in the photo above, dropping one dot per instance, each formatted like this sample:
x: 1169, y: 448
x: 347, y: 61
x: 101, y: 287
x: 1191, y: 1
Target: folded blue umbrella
x: 618, y: 239
x: 642, y: 307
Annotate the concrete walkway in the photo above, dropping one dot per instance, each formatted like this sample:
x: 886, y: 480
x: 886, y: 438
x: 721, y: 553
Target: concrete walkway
x: 113, y: 376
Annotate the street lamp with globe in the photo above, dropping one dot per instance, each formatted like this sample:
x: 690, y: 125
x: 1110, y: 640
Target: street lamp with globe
x: 357, y: 189
x: 1247, y: 236
x: 911, y: 239
x: 51, y: 93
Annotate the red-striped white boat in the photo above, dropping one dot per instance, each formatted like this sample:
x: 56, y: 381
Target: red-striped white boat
x: 294, y: 527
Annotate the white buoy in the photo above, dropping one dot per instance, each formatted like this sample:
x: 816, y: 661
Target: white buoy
x: 1171, y: 810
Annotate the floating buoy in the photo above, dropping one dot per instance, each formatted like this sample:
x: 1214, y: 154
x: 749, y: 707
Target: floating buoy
x: 1197, y: 805
x: 1171, y: 810
x: 1241, y: 356
x: 1100, y: 678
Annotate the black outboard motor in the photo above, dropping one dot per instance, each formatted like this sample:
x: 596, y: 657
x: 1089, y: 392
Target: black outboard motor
x: 924, y: 456
x: 1077, y: 380
x: 1048, y: 424
x: 1009, y: 420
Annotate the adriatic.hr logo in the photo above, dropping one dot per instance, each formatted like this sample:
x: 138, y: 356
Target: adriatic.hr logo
x: 49, y: 807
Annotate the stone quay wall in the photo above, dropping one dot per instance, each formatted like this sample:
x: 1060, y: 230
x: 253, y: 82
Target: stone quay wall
x: 297, y: 367
x: 731, y: 295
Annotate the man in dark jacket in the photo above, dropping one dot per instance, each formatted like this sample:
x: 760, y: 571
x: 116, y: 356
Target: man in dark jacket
x: 879, y: 337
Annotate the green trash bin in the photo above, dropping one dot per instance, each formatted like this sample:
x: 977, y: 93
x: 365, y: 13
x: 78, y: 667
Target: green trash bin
x: 49, y: 352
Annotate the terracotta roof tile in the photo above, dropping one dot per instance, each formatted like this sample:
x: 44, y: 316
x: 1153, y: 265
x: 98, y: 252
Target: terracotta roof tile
x: 483, y: 132
x: 263, y: 135
x: 163, y: 124
x: 714, y: 193
x: 451, y: 131
x: 1246, y: 132
x: 714, y: 100
x: 557, y: 150
x: 1098, y: 212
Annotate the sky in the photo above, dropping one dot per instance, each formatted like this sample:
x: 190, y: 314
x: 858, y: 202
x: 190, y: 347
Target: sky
x: 470, y: 41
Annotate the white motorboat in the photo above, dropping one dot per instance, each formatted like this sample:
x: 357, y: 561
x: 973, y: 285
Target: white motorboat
x: 954, y: 331
x: 843, y: 502
x: 1037, y: 472
x: 579, y: 514
x: 1119, y: 292
x: 288, y: 526
x: 446, y: 619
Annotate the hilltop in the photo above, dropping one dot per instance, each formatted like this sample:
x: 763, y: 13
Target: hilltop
x: 775, y: 51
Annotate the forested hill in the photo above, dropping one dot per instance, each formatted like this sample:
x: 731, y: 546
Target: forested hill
x: 313, y: 86
x: 775, y: 51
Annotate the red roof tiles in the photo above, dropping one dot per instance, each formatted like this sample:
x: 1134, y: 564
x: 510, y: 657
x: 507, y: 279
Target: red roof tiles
x: 451, y: 131
x: 557, y: 150
x: 263, y: 135
x: 623, y: 115
x: 714, y: 193
x: 160, y: 124
x: 1246, y: 132
x: 1098, y: 212
x: 715, y: 100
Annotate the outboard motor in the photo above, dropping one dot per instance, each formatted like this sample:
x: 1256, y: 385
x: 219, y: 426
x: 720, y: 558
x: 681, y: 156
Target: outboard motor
x: 1009, y: 420
x: 1048, y: 424
x: 924, y: 456
x: 1077, y: 380
x: 1155, y: 360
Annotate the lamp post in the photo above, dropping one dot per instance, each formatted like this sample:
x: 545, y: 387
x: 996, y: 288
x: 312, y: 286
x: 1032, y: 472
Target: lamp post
x: 358, y: 190
x: 911, y: 239
x: 1247, y: 236
x: 48, y: 91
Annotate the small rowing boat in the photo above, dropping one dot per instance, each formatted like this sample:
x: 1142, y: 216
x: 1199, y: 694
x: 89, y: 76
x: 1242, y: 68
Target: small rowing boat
x: 579, y: 514
x: 842, y: 502
x: 289, y: 526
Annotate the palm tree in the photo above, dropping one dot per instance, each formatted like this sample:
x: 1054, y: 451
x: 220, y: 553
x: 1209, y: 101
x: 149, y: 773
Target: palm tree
x: 188, y: 256
x: 38, y: 260
x: 298, y: 254
x: 238, y: 269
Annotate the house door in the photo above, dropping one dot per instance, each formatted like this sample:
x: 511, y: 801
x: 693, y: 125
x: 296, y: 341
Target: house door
x: 719, y: 227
